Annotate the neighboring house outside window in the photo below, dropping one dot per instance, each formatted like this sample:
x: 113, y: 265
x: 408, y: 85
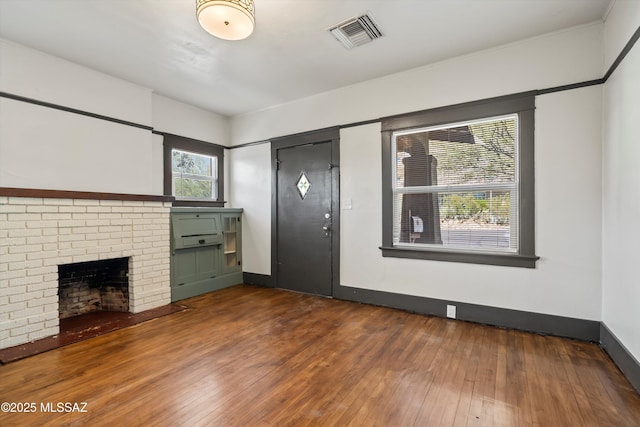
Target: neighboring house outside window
x: 458, y: 183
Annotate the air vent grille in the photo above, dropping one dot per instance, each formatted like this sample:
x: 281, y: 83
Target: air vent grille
x: 356, y: 31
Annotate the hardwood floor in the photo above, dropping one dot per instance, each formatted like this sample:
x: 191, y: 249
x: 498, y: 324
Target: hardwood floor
x: 79, y: 328
x: 248, y: 356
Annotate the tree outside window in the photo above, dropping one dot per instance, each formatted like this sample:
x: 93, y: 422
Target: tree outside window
x: 458, y: 183
x: 194, y: 175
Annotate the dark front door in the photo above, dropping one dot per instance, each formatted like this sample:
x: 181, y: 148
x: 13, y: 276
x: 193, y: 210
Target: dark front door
x: 304, y: 217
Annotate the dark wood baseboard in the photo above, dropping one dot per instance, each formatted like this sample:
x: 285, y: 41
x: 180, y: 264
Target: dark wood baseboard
x: 629, y: 365
x: 546, y: 324
x: 585, y: 330
x: 263, y: 280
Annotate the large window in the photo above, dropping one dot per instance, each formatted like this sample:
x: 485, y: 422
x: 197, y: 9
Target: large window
x: 193, y: 171
x: 459, y: 183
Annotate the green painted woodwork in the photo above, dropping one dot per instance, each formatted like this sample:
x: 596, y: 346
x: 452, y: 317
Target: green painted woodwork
x: 206, y: 250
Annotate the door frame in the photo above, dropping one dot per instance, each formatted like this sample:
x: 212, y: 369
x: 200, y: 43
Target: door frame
x: 328, y: 135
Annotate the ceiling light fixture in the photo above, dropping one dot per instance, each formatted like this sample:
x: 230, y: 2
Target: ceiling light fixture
x: 227, y: 19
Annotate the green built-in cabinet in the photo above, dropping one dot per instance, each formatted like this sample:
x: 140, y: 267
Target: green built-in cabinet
x: 206, y: 250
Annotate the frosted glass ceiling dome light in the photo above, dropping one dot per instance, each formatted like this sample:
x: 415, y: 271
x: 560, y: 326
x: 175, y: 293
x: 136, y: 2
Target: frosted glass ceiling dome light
x: 227, y: 19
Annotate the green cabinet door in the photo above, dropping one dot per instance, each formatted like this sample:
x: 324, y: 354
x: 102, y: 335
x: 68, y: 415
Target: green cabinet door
x: 193, y: 265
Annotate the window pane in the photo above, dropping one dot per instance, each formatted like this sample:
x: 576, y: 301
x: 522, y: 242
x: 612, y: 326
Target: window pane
x: 194, y: 175
x: 478, y: 155
x: 465, y: 220
x: 192, y: 188
x: 475, y: 153
x: 191, y: 163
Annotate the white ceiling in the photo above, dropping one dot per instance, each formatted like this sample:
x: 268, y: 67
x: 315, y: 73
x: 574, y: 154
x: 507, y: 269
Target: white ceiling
x: 159, y: 44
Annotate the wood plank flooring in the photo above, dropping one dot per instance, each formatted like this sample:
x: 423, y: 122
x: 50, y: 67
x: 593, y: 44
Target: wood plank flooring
x: 249, y: 356
x: 79, y: 328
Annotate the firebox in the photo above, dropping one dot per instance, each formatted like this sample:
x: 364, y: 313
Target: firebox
x: 93, y: 286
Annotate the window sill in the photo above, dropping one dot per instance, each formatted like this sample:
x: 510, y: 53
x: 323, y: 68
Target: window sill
x: 196, y: 203
x: 507, y: 260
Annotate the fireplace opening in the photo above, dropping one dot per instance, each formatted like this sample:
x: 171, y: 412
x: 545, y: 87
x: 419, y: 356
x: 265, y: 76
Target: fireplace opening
x: 85, y: 287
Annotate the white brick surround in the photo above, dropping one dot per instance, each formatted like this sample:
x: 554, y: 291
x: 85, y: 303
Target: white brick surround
x: 38, y: 234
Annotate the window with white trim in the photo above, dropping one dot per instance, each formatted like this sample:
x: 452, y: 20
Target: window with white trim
x: 194, y: 176
x: 460, y: 183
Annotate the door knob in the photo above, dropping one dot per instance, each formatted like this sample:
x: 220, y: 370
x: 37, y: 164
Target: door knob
x: 326, y: 230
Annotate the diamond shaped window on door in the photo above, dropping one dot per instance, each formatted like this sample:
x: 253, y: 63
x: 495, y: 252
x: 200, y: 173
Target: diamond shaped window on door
x: 303, y: 184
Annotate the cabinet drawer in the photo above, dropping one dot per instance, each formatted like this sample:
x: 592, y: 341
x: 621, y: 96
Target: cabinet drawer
x: 195, y: 241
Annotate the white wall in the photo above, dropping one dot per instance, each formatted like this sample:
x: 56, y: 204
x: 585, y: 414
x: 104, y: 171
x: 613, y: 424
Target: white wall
x: 568, y: 124
x: 250, y: 173
x: 556, y: 59
x: 51, y: 149
x: 34, y: 74
x: 182, y: 119
x: 45, y: 148
x: 567, y: 278
x: 623, y: 20
x: 621, y: 201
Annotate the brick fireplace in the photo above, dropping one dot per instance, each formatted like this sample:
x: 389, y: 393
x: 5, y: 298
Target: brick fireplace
x: 49, y: 229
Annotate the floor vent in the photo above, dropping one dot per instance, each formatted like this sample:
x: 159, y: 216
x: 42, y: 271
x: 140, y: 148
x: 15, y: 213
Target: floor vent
x: 356, y: 31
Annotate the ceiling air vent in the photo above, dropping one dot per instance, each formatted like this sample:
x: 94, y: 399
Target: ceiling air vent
x: 356, y: 31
